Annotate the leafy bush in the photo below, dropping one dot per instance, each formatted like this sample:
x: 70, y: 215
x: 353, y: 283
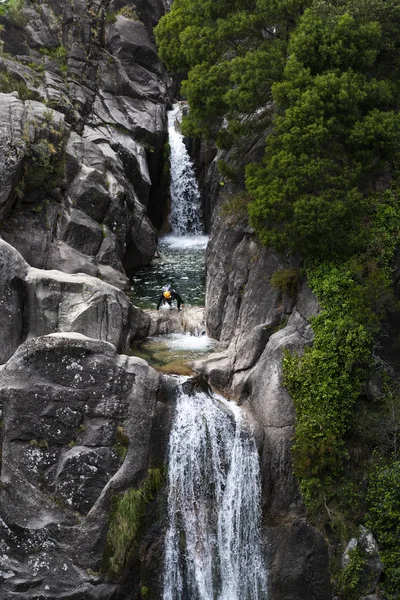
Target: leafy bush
x: 9, y: 83
x: 350, y: 578
x: 327, y: 380
x: 129, y: 13
x: 126, y: 11
x: 383, y: 519
x: 286, y: 281
x: 13, y: 10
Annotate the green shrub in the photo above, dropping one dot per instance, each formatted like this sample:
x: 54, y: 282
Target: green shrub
x: 44, y: 166
x: 234, y: 207
x: 286, y: 281
x: 126, y: 11
x: 129, y: 13
x: 383, y: 518
x: 350, y: 579
x: 9, y: 83
x: 111, y: 17
x: 328, y: 379
x: 13, y: 10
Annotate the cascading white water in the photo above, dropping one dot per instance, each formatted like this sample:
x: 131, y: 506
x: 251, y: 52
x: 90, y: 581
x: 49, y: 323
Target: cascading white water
x: 186, y: 206
x: 213, y: 547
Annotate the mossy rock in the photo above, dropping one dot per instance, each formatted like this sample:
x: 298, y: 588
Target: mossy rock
x: 176, y: 368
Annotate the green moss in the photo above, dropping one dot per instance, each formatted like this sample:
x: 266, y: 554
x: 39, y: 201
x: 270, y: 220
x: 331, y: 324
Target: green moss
x: 125, y: 526
x: 121, y: 447
x: 144, y: 593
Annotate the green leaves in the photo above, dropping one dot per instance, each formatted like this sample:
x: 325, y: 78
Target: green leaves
x: 232, y: 52
x: 384, y: 520
x: 327, y: 380
x: 335, y: 127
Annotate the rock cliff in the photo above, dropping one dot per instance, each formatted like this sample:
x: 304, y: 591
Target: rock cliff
x: 82, y: 135
x: 255, y: 321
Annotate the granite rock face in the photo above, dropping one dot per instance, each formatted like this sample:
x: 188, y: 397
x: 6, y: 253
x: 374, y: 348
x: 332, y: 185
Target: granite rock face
x: 82, y: 136
x: 66, y: 399
x: 255, y: 321
x: 13, y: 270
x: 57, y: 302
x: 36, y: 302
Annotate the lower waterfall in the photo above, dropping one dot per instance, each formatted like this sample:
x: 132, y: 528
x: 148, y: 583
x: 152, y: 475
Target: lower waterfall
x: 213, y: 548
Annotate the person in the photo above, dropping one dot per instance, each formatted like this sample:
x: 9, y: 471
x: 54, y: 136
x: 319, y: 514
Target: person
x: 169, y: 294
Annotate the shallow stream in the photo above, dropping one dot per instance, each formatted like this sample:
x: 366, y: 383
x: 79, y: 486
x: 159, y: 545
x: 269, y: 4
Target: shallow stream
x: 180, y: 262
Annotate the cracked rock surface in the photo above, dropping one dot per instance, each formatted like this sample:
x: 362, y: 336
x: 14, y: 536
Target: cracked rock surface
x: 83, y: 100
x: 65, y: 399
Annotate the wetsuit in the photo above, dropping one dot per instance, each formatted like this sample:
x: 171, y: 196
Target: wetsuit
x: 174, y: 296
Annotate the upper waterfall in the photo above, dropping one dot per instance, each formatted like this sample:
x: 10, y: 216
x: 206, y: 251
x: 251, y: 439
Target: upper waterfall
x: 213, y: 547
x: 186, y: 205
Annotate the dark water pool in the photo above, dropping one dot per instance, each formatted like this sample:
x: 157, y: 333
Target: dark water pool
x: 181, y: 262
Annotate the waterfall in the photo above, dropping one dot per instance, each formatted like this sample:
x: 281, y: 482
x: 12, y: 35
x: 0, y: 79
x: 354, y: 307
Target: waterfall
x: 186, y: 206
x: 213, y: 547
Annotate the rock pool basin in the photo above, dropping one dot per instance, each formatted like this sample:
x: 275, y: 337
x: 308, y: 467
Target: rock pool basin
x: 174, y: 352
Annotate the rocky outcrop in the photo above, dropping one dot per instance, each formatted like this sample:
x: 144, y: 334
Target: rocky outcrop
x: 70, y: 405
x: 163, y: 322
x: 82, y: 135
x: 36, y: 302
x: 255, y: 320
x: 57, y: 302
x: 13, y: 270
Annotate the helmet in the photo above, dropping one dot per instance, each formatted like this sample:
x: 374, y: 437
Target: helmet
x: 167, y: 295
x: 167, y: 287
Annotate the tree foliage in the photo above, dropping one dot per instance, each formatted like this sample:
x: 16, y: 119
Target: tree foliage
x: 336, y: 129
x: 232, y: 51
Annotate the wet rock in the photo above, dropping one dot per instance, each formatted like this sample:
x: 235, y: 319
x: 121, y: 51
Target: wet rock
x: 163, y: 322
x: 13, y: 270
x: 298, y: 574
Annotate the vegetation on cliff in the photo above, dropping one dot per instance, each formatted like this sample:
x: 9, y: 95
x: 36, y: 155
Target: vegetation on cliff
x: 324, y: 78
